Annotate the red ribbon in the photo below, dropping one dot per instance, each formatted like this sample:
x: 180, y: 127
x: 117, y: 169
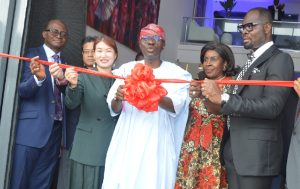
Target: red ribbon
x: 240, y: 82
x: 227, y: 82
x: 64, y: 66
x: 143, y: 91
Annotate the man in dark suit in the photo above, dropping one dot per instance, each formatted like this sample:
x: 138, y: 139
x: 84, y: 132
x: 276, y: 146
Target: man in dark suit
x: 41, y: 117
x: 287, y: 126
x: 293, y: 163
x: 276, y: 10
x: 253, y: 147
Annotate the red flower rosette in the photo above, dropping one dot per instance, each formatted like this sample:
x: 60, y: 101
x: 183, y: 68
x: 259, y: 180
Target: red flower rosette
x: 142, y: 90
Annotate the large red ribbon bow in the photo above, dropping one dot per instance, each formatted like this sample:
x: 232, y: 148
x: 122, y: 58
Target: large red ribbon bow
x: 142, y: 90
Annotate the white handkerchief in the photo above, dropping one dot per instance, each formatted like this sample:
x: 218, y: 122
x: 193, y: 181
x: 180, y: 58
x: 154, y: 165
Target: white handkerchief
x: 255, y: 70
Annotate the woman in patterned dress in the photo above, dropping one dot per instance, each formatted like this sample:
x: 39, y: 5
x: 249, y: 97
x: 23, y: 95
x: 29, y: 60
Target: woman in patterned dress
x: 199, y: 163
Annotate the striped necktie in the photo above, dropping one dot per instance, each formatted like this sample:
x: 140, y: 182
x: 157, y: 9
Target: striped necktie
x: 239, y: 77
x: 244, y: 69
x: 57, y: 95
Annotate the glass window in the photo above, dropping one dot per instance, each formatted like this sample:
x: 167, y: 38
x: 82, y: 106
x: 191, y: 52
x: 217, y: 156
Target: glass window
x: 12, y: 19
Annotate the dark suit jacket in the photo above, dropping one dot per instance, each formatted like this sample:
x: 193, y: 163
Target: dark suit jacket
x: 293, y: 163
x: 272, y: 11
x: 37, y: 105
x: 95, y: 127
x: 72, y: 118
x: 255, y: 121
x: 287, y: 125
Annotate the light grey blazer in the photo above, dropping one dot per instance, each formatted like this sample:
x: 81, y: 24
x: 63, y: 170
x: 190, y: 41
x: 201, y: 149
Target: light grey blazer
x: 293, y: 162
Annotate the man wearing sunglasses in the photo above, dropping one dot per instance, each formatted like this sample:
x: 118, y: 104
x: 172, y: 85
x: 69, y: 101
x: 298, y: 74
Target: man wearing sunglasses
x: 253, y: 147
x: 41, y: 113
x: 145, y: 146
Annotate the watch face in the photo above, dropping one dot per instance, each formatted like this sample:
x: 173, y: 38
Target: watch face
x: 224, y: 97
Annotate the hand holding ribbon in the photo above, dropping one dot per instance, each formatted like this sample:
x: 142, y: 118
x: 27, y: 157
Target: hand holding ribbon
x: 37, y: 69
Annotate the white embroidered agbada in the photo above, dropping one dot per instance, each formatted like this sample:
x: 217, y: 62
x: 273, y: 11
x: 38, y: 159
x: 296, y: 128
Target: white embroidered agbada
x: 144, y: 149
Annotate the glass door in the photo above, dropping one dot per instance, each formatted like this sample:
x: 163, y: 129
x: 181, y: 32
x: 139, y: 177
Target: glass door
x: 12, y: 22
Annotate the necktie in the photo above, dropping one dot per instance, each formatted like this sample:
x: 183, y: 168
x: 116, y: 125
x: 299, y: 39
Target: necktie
x: 244, y: 69
x: 239, y: 77
x: 57, y: 96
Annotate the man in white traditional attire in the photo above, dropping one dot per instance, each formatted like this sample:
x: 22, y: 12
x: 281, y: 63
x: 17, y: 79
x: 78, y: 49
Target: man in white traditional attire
x: 145, y: 146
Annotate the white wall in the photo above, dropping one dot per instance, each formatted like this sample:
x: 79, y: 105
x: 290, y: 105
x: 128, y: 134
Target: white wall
x: 170, y: 18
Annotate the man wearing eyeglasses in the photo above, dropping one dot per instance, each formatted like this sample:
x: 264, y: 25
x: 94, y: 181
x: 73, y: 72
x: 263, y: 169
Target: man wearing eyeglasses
x: 41, y: 113
x: 253, y: 147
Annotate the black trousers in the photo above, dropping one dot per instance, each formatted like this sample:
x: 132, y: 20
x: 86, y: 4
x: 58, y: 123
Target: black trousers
x: 236, y: 181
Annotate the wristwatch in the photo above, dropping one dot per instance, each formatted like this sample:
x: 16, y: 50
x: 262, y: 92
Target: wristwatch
x: 224, y: 98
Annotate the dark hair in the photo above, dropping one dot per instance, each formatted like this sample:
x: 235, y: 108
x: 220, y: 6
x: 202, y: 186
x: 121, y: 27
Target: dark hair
x: 87, y: 39
x: 224, y: 52
x: 264, y: 14
x: 108, y: 41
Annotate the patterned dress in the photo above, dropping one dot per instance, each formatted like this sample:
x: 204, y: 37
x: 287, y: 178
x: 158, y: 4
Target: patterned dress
x: 199, y: 164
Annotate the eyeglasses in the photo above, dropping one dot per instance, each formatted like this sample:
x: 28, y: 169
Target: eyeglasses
x: 56, y: 33
x: 248, y: 27
x: 155, y: 38
x: 87, y: 51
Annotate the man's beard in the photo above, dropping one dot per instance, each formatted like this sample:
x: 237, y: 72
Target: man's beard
x: 248, y: 46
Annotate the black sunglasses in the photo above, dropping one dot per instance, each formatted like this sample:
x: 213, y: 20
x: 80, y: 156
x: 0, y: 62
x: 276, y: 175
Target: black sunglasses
x: 248, y: 27
x: 56, y: 33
